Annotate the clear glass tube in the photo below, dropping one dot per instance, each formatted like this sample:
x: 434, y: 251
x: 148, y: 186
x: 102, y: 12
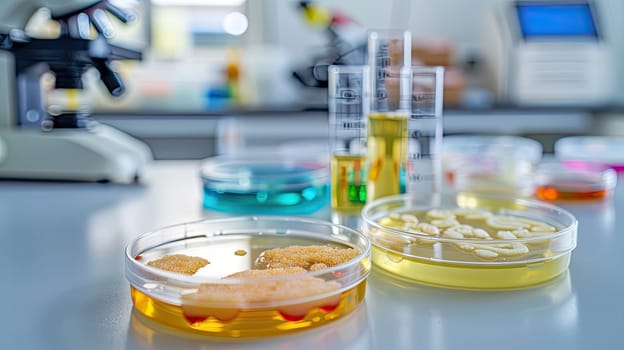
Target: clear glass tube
x: 349, y: 103
x: 424, y: 95
x: 388, y: 53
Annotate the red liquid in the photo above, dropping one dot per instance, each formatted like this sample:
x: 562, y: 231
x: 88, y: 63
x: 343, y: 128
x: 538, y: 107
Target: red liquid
x: 195, y: 319
x: 292, y: 318
x: 328, y: 308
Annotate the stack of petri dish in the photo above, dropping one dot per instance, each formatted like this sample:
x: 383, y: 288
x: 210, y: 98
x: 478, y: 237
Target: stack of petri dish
x: 490, y: 164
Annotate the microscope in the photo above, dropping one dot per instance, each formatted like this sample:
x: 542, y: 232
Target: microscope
x: 59, y: 141
x: 347, y: 44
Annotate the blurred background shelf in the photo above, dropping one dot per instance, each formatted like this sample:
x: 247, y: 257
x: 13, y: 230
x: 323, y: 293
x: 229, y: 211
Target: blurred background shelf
x: 196, y: 135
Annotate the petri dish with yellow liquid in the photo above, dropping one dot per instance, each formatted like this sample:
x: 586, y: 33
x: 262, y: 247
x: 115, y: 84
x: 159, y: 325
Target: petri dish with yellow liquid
x: 248, y: 277
x: 470, y: 240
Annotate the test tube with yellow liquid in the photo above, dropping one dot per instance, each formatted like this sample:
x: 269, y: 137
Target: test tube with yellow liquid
x: 389, y: 52
x: 387, y: 135
x: 349, y: 103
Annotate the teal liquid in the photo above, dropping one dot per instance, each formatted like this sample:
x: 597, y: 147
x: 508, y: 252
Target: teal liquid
x: 293, y: 196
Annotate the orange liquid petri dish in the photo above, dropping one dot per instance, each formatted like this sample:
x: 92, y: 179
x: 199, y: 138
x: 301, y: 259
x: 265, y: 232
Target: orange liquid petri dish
x: 565, y: 182
x: 240, y: 295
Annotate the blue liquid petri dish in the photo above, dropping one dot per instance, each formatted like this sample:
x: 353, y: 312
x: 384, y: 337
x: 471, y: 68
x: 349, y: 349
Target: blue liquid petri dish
x: 269, y: 184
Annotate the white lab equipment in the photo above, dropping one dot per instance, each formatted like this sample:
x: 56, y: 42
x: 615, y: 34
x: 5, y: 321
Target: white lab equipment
x: 45, y: 143
x: 548, y: 53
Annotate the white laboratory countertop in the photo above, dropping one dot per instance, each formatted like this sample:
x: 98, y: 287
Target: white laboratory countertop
x: 63, y: 281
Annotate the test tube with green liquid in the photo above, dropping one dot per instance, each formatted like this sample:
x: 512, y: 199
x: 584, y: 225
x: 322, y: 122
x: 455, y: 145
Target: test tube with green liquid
x: 349, y: 103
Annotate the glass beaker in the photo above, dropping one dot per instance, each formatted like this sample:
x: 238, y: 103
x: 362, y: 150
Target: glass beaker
x: 349, y: 103
x: 388, y: 53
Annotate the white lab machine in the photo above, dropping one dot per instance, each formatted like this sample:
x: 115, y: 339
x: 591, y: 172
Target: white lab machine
x: 548, y: 53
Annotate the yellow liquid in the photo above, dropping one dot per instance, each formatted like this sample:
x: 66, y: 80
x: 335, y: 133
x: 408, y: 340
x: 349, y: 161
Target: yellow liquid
x: 348, y: 183
x: 470, y: 276
x: 427, y: 260
x: 387, y: 146
x: 247, y: 322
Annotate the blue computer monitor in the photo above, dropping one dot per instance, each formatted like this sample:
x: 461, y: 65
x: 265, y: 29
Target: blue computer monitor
x: 556, y: 20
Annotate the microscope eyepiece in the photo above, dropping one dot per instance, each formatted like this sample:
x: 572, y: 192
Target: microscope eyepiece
x: 121, y: 14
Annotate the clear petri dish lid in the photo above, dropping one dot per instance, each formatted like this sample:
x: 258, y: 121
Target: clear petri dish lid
x: 253, y: 171
x: 218, y: 240
x: 398, y: 217
x: 511, y: 182
x: 490, y: 164
x: 488, y: 147
x: 571, y: 181
x: 604, y: 150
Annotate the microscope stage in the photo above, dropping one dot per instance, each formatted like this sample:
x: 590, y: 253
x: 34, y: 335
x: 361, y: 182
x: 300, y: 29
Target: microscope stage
x: 101, y: 154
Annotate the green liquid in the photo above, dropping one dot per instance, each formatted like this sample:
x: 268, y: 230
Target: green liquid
x: 348, y: 183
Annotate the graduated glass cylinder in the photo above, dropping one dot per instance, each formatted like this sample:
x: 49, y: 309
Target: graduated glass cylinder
x: 388, y: 53
x: 349, y: 104
x: 424, y: 96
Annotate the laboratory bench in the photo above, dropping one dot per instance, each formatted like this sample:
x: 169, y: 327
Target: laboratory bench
x: 64, y: 286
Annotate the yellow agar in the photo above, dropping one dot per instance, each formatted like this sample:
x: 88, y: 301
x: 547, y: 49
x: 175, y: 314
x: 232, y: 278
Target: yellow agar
x: 387, y: 147
x: 348, y: 183
x: 407, y: 257
x: 470, y: 276
x: 249, y: 323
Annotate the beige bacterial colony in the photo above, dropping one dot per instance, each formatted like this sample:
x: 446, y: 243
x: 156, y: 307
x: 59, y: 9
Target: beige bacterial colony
x: 233, y: 308
x: 458, y: 224
x: 471, y: 248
